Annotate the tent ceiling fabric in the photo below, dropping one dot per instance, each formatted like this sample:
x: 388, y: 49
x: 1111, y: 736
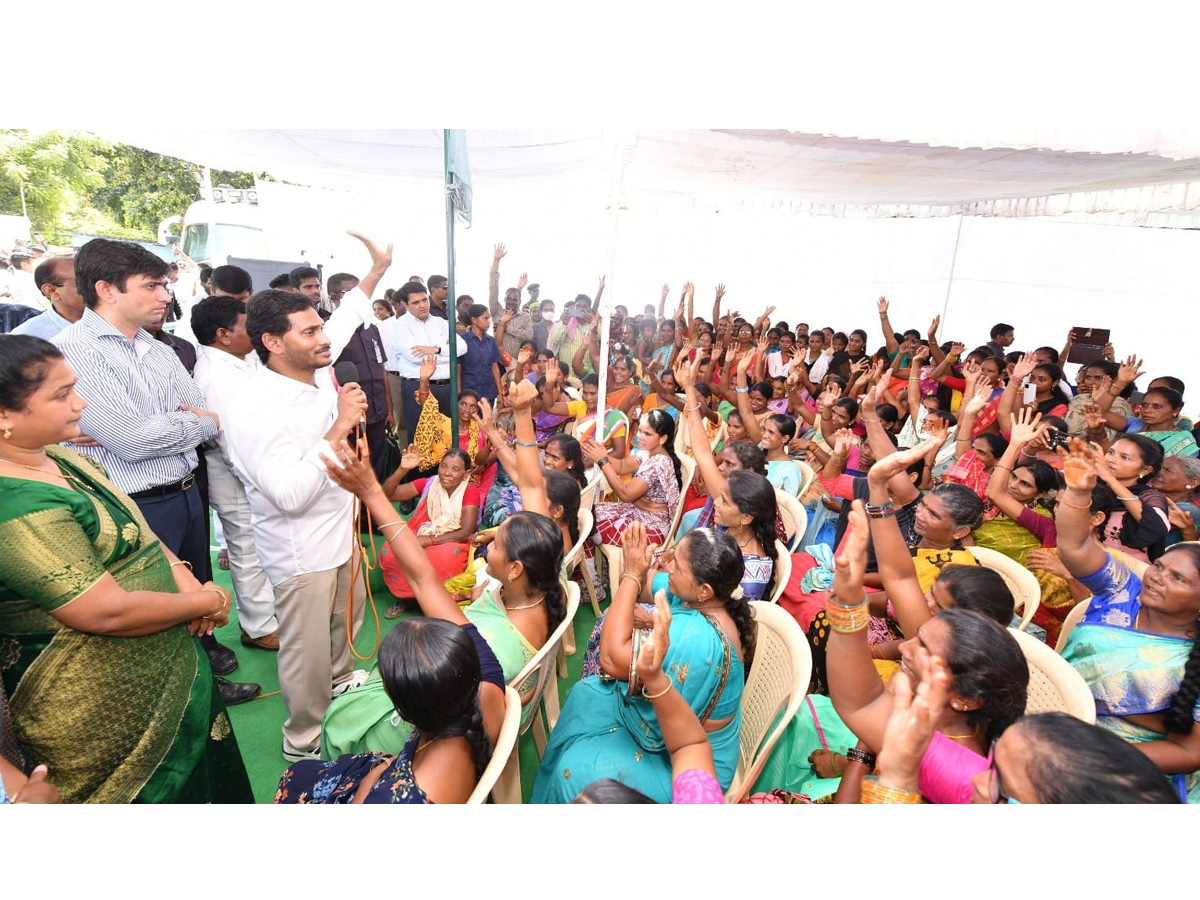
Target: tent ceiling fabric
x: 1084, y: 172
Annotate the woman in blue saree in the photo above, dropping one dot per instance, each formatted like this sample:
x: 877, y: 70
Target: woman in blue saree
x: 1136, y: 645
x: 603, y: 731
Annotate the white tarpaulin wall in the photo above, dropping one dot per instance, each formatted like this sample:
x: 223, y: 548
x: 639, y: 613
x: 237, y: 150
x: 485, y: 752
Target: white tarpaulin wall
x: 738, y: 207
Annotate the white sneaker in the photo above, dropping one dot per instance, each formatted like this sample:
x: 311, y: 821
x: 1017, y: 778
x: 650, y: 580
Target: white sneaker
x: 357, y: 679
x: 291, y: 754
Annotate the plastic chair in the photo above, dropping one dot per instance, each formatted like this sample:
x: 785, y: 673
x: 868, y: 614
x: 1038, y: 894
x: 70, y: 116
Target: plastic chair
x: 537, y: 684
x: 613, y: 555
x: 1077, y: 612
x: 1027, y: 593
x: 794, y: 516
x: 1054, y: 685
x: 783, y: 571
x: 502, y: 777
x: 570, y: 563
x: 587, y: 497
x: 778, y: 682
x: 807, y: 476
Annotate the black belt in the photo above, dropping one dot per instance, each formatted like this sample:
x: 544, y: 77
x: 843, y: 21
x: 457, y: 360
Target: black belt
x: 440, y: 381
x: 166, y: 489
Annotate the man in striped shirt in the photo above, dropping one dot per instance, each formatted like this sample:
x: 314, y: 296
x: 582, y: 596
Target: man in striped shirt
x: 145, y: 414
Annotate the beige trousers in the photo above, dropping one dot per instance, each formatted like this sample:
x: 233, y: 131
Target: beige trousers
x: 314, y: 655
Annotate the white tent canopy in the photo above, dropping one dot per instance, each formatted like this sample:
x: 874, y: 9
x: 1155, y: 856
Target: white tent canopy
x: 1036, y: 173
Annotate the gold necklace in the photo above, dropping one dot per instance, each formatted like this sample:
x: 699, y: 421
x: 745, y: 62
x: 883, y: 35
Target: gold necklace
x: 424, y: 745
x: 13, y: 462
x: 525, y: 606
x: 962, y: 737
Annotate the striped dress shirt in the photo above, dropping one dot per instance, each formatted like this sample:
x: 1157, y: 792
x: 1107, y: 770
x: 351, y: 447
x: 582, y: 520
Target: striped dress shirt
x: 134, y: 390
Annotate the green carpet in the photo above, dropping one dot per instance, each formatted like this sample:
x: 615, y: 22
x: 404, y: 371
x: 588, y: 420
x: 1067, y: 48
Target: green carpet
x: 258, y: 723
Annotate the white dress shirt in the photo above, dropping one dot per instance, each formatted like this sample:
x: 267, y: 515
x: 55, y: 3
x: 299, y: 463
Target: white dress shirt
x: 433, y: 332
x: 387, y: 332
x: 24, y: 290
x: 275, y: 432
x: 222, y: 376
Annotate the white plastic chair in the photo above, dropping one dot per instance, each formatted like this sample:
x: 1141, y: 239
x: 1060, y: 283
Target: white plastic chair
x: 807, y: 475
x: 794, y: 516
x: 783, y: 571
x: 778, y: 682
x: 614, y: 559
x: 502, y: 777
x: 570, y: 563
x: 1054, y: 685
x: 537, y: 683
x: 1027, y: 593
x: 1077, y: 612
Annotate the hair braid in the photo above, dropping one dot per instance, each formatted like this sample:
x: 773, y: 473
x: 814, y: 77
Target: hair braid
x: 1179, y: 718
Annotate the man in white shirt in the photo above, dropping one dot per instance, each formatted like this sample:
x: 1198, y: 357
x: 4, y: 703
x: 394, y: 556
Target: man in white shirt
x: 225, y: 364
x: 418, y: 335
x: 279, y: 428
x: 24, y: 288
x: 391, y: 365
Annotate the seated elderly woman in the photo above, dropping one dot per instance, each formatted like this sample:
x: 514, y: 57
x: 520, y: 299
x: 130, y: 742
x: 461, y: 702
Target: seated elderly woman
x: 433, y: 434
x: 608, y: 727
x: 1136, y: 645
x: 444, y: 521
x: 1179, y: 481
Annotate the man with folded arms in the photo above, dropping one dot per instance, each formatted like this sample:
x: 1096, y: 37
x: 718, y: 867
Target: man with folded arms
x: 278, y: 428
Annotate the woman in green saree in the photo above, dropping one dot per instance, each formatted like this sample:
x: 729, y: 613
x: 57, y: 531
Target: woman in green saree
x: 108, y: 685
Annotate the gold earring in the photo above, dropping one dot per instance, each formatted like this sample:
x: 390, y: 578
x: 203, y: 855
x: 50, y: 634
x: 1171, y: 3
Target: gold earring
x: 7, y: 432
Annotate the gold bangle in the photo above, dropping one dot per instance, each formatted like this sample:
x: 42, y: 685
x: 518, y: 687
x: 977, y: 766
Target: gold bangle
x: 661, y: 693
x: 846, y: 619
x: 636, y: 580
x: 874, y: 792
x: 224, y: 603
x: 1074, y: 506
x: 390, y: 524
x: 182, y: 562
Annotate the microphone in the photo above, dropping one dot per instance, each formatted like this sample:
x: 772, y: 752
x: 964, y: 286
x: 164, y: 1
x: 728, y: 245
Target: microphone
x: 346, y: 372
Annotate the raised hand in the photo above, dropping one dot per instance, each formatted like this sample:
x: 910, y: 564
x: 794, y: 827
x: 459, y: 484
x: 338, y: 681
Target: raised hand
x: 410, y: 458
x: 690, y: 289
x: 499, y: 253
x: 851, y: 563
x: 911, y: 723
x: 897, y: 462
x: 743, y: 365
x: 843, y: 440
x: 919, y: 355
x: 1025, y: 426
x: 380, y: 259
x: 522, y: 281
x: 1102, y: 387
x: 957, y: 350
x: 600, y: 288
x: 1094, y: 416
x: 720, y: 291
x: 506, y: 316
x: 666, y: 289
x: 522, y: 394
x: 1079, y: 467
x: 983, y: 394
x: 525, y: 356
x: 933, y: 327
x: 830, y: 397
x: 637, y: 551
x: 1024, y: 367
x: 882, y: 305
x: 1131, y: 370
x: 428, y: 367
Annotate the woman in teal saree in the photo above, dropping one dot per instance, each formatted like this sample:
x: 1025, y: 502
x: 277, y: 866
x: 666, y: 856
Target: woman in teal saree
x: 1136, y: 645
x: 108, y: 685
x: 607, y: 729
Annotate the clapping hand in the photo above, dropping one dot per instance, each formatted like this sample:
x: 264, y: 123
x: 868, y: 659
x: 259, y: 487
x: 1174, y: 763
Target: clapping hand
x: 637, y: 551
x: 655, y: 646
x: 592, y: 450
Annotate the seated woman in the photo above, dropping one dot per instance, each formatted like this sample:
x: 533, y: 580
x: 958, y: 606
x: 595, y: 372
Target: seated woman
x: 650, y: 497
x: 976, y: 455
x: 433, y: 435
x: 562, y: 454
x: 693, y: 774
x: 1022, y: 526
x: 1043, y: 758
x: 986, y: 695
x: 608, y: 727
x: 1136, y: 645
x: 445, y: 680
x: 1139, y: 521
x: 1161, y: 410
x: 782, y: 471
x: 614, y: 435
x: 1049, y: 397
x: 622, y: 393
x: 109, y: 686
x: 516, y: 611
x: 444, y: 521
x: 1179, y: 481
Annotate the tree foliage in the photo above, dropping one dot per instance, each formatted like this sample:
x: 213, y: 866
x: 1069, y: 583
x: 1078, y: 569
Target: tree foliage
x: 74, y: 181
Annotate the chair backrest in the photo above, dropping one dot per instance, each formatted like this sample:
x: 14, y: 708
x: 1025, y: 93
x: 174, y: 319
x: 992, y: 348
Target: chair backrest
x: 1069, y: 623
x: 1027, y: 593
x: 506, y: 746
x: 687, y: 467
x: 774, y: 691
x: 587, y: 519
x: 1054, y: 685
x: 539, y: 673
x: 783, y: 571
x: 794, y: 516
x: 807, y: 476
x: 587, y: 497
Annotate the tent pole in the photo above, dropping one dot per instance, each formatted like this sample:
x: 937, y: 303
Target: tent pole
x: 451, y: 312
x: 950, y: 280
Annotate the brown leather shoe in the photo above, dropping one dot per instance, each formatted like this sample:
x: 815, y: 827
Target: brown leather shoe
x: 266, y: 642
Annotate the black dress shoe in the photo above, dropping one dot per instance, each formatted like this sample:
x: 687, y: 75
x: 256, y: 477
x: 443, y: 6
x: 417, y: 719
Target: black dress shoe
x: 221, y: 658
x: 235, y: 692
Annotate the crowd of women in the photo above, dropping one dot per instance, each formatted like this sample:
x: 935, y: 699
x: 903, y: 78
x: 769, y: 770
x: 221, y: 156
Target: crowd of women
x: 711, y: 429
